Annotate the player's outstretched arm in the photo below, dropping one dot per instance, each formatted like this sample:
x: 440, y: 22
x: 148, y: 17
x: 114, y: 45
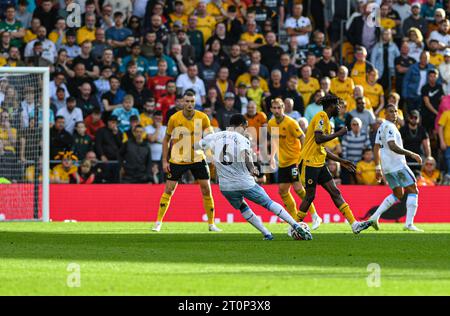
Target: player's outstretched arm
x: 398, y: 150
x: 321, y: 138
x: 165, y: 153
x: 347, y: 164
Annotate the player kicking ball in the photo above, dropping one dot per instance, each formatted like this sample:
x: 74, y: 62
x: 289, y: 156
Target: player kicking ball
x: 235, y: 170
x: 389, y: 151
x: 313, y: 169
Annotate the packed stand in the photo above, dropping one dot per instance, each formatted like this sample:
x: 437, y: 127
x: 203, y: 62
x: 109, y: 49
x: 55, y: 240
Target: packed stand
x: 118, y: 77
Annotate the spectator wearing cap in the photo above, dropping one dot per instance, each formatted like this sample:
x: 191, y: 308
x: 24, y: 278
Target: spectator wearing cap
x: 108, y: 141
x: 298, y: 26
x: 71, y: 114
x: 140, y: 92
x: 129, y: 134
x: 167, y: 100
x: 415, y: 20
x: 87, y: 32
x: 87, y: 101
x: 60, y: 139
x: 153, y: 62
x: 93, y: 123
x: 435, y: 58
x: 125, y: 112
x: 47, y: 14
x: 415, y: 78
x: 224, y: 114
x: 116, y: 35
x: 178, y: 14
x: 195, y: 37
x: 48, y: 47
x: 432, y: 93
x: 205, y: 22
x: 190, y: 80
x: 141, y: 62
x: 415, y: 137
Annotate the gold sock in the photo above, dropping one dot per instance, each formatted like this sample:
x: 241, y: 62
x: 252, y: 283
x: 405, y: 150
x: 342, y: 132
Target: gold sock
x: 290, y: 204
x: 208, y: 204
x: 163, y: 206
x: 347, y: 212
x: 312, y: 209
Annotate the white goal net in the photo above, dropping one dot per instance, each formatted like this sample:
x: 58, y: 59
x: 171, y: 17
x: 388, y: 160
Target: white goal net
x: 24, y: 143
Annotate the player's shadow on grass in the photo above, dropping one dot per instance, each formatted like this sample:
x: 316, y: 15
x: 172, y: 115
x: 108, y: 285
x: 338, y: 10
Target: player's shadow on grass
x: 397, y: 250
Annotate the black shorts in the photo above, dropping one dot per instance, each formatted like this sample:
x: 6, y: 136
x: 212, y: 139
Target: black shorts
x: 200, y: 171
x: 288, y: 174
x: 311, y: 176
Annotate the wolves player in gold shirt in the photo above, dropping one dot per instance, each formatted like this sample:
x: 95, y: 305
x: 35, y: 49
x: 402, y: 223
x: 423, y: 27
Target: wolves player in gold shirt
x: 184, y: 129
x: 290, y: 139
x: 313, y: 169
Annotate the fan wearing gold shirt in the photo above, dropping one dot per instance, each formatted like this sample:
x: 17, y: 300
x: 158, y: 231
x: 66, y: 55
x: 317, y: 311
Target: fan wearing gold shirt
x: 288, y: 138
x: 184, y: 129
x: 313, y: 169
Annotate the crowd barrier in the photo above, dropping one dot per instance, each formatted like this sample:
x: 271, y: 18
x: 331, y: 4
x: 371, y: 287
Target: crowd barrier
x: 140, y: 203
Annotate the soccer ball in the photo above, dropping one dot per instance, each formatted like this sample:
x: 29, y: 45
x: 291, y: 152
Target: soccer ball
x: 293, y: 233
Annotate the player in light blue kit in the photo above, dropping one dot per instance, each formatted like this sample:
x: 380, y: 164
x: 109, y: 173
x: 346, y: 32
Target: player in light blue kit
x: 389, y: 150
x: 235, y: 170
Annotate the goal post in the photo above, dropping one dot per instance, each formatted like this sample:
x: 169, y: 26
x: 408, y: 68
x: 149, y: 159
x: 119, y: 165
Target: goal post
x: 25, y: 96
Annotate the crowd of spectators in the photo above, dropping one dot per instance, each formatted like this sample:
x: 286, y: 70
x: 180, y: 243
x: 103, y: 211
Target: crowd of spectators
x: 118, y: 77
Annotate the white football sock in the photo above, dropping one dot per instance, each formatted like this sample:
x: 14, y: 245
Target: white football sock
x: 385, y: 205
x: 255, y: 221
x: 279, y: 211
x: 411, y: 208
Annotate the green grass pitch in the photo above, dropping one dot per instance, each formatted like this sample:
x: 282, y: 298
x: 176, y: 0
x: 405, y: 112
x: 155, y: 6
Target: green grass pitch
x: 185, y: 259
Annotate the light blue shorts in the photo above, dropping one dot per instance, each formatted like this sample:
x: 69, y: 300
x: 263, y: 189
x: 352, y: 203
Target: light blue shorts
x: 255, y: 194
x: 402, y: 178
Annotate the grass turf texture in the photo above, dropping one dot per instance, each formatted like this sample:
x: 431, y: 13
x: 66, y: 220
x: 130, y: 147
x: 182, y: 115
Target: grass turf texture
x: 185, y: 259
